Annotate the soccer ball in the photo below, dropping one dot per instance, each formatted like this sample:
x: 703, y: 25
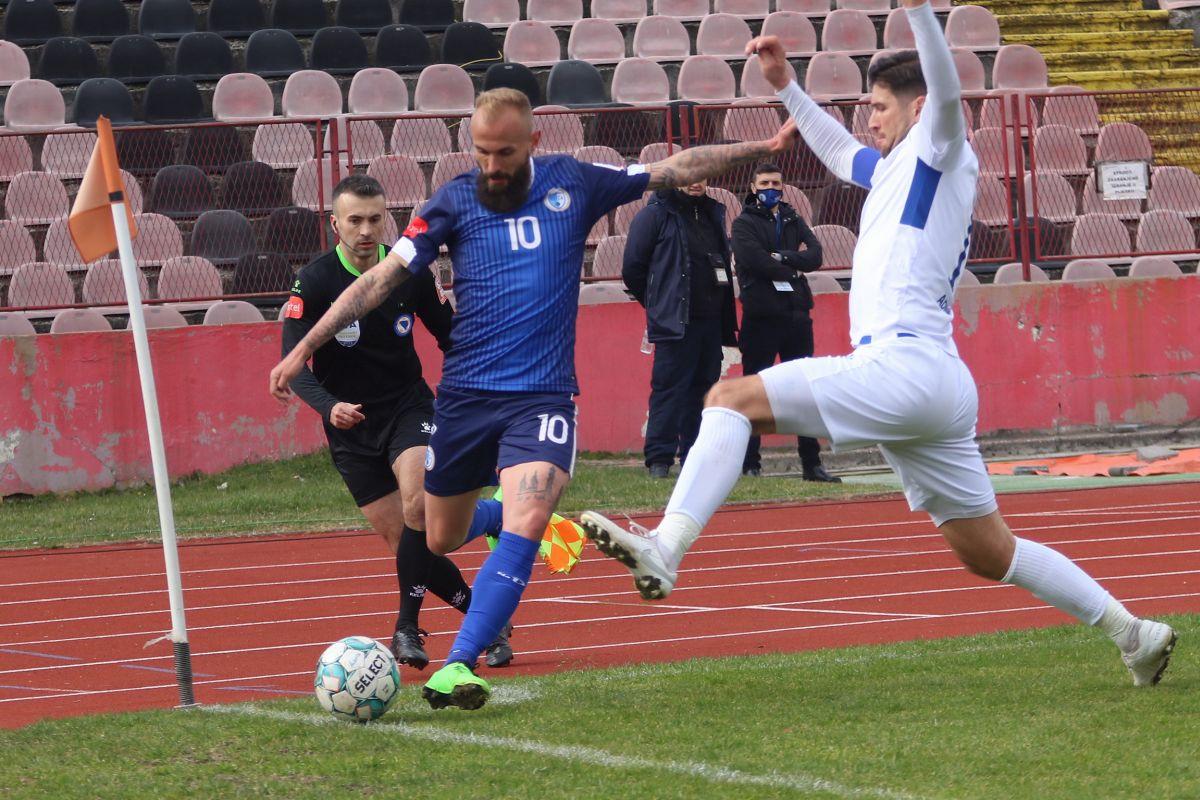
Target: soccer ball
x: 357, y: 679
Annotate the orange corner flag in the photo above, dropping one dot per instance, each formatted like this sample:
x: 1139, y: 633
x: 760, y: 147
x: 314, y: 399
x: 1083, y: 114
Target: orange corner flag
x: 91, y: 219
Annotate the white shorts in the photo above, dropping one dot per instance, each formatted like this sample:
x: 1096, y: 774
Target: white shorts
x: 910, y: 397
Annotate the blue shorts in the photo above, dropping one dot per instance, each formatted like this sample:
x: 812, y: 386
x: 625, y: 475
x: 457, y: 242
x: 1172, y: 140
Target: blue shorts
x: 477, y: 432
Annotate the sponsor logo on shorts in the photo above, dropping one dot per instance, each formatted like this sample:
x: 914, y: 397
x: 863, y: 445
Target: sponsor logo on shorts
x: 349, y: 335
x: 416, y: 226
x: 294, y: 308
x: 557, y: 199
x: 403, y: 326
x: 430, y: 460
x: 427, y: 427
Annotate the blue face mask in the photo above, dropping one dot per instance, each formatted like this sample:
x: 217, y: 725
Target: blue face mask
x: 769, y: 197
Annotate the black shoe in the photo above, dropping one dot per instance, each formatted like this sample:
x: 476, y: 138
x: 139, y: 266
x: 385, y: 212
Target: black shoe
x: 659, y: 470
x: 753, y: 472
x: 500, y: 653
x: 819, y: 475
x: 408, y: 646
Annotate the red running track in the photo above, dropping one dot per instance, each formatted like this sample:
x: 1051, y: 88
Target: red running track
x: 74, y: 624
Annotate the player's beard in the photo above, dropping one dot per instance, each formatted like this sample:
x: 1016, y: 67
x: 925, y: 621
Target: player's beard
x: 508, y: 198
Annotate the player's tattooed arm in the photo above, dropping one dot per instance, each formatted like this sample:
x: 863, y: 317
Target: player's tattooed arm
x: 700, y: 163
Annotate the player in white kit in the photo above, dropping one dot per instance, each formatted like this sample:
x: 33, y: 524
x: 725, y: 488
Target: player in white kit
x: 903, y: 387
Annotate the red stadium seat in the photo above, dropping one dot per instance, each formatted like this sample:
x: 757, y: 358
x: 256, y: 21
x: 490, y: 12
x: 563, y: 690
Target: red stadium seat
x: 690, y: 10
x: 16, y: 246
x: 377, y: 91
x: 1175, y: 188
x: 870, y: 6
x: 14, y: 323
x: 1092, y: 203
x: 1100, y: 235
x: 833, y: 75
x: 755, y: 85
x: 973, y: 27
x: 1123, y: 141
x: 1012, y: 273
x: 706, y: 79
x: 444, y: 88
x: 104, y: 285
x: 35, y: 198
x: 599, y: 154
x: 996, y: 112
x: 158, y: 239
x: 897, y: 32
x: 822, y: 284
x: 66, y: 155
x: 1165, y: 232
x: 423, y: 138
x: 970, y: 70
x: 1087, y: 269
x: 1058, y: 149
x: 795, y: 32
x: 733, y: 206
x: 747, y: 9
x: 34, y: 105
x: 609, y: 255
x: 59, y: 247
x: 596, y: 41
x: 640, y: 80
x: 799, y: 201
x: 232, y: 312
x: 14, y: 64
x: 15, y: 156
x: 311, y: 93
x: 1154, y: 267
x: 284, y: 145
x: 360, y: 139
x: 312, y: 187
x: 600, y: 292
x: 561, y: 132
x: 243, y: 97
x: 450, y: 166
x: 619, y: 10
x: 492, y: 13
x: 1078, y: 112
x: 79, y: 320
x: 185, y: 277
x: 662, y: 39
x: 812, y: 8
x: 849, y: 31
x: 159, y: 316
x: 531, y: 43
x: 657, y: 151
x: 722, y: 35
x: 1055, y: 197
x: 555, y: 12
x: 994, y: 147
x: 623, y: 216
x: 40, y: 283
x: 750, y: 124
x: 992, y: 202
x: 837, y: 246
x: 1019, y: 66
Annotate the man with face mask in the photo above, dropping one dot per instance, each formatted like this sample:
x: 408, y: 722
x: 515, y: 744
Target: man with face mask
x: 774, y: 247
x: 677, y: 266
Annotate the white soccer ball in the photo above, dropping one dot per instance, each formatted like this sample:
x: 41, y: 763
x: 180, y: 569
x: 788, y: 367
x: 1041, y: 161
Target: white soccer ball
x: 357, y: 679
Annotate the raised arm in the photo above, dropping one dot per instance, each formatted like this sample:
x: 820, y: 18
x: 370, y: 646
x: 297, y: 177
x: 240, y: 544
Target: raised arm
x: 943, y: 101
x: 700, y: 163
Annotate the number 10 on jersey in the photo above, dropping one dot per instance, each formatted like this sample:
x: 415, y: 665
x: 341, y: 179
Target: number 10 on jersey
x: 524, y: 233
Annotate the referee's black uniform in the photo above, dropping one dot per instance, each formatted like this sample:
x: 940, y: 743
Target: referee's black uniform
x: 372, y: 362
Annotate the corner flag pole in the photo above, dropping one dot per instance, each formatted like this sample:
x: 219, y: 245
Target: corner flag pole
x: 106, y: 187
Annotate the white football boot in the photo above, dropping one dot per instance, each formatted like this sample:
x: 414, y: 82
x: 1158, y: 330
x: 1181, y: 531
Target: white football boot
x: 636, y: 549
x: 1148, y: 651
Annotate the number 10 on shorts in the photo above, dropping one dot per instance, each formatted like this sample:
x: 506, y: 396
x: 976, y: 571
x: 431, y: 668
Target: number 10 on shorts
x: 553, y: 428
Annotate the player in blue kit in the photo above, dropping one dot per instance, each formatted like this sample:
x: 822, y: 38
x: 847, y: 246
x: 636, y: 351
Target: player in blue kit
x: 516, y: 229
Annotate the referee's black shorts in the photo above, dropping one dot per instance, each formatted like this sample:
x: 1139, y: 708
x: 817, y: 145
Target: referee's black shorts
x: 365, y: 453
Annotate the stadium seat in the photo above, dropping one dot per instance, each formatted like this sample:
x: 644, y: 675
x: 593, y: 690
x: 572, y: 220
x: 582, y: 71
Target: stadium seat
x: 448, y: 167
x: 273, y: 53
x: 106, y: 96
x: 596, y: 41
x: 610, y: 254
x: 795, y: 32
x: 1058, y: 149
x: 1165, y: 232
x: 67, y: 59
x: 837, y: 246
x: 880, y: 7
x: 1087, y: 269
x: 601, y: 292
x: 619, y: 11
x: 243, y: 97
x: 79, y: 320
x: 849, y: 30
x: 402, y: 179
x: 561, y: 132
x: 283, y: 146
x: 157, y: 241
x: 189, y: 277
x: 555, y: 12
x: 262, y: 272
x: 40, y: 283
x: 576, y: 84
x: 972, y: 27
x: 34, y: 105
x: 514, y: 76
x: 599, y: 154
x: 99, y: 20
x: 423, y: 138
x: 203, y: 56
x: 1019, y: 66
x: 159, y: 316
x: 251, y: 187
x: 839, y: 203
x: 236, y: 18
x: 971, y: 74
x: 833, y: 75
x: 811, y: 8
x: 994, y: 147
x: 705, y: 79
x: 1092, y: 203
x: 992, y: 202
x: 311, y: 93
x: 469, y: 44
x: 722, y: 35
x: 14, y: 64
x: 966, y: 278
x: 429, y: 15
x: 103, y: 284
x: 756, y: 86
x: 623, y: 216
x: 1078, y: 112
x: 640, y: 81
x: 684, y: 10
x: 492, y: 13
x: 313, y: 185
x: 657, y: 151
x: 301, y: 17
x: 294, y: 233
x: 35, y: 198
x: 29, y: 22
x: 166, y: 19
x: 444, y: 89
x: 135, y: 58
x: 180, y: 191
x: 1175, y: 188
x: 996, y: 112
x: 360, y: 140
x: 819, y: 283
x: 221, y: 236
x: 747, y: 9
x: 1012, y: 273
x: 16, y: 246
x: 897, y: 33
x: 15, y: 157
x: 531, y: 43
x: 1100, y: 235
x: 1055, y: 197
x: 59, y: 248
x: 799, y: 201
x: 1154, y: 267
x: 402, y: 47
x: 232, y: 312
x: 145, y: 152
x: 173, y: 99
x: 662, y: 39
x: 1123, y: 141
x: 14, y: 323
x: 375, y: 90
x: 364, y: 16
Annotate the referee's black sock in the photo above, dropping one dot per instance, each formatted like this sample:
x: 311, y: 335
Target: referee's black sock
x: 447, y: 582
x: 413, y: 564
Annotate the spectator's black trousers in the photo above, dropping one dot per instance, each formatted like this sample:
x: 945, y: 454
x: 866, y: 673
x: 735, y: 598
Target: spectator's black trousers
x: 684, y: 371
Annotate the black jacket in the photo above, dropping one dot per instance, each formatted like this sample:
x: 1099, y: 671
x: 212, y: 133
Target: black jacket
x: 754, y: 240
x: 656, y: 268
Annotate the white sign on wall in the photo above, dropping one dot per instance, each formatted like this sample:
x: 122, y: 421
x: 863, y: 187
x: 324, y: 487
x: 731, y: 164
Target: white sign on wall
x: 1123, y: 180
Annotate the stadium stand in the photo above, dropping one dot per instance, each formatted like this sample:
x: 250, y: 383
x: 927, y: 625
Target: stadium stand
x: 231, y: 312
x: 597, y: 41
x: 1077, y: 111
x: 402, y: 47
x: 59, y: 248
x: 444, y: 89
x: 402, y: 179
x: 311, y: 93
x: 1087, y: 269
x: 236, y: 18
x: 295, y: 233
x: 1019, y: 66
x: 640, y: 80
x: 609, y: 254
x: 360, y: 140
x: 1154, y: 267
x: 16, y: 246
x: 221, y: 237
x: 79, y: 320
x: 531, y: 43
x: 15, y: 324
x: 897, y: 33
x: 428, y: 15
x: 795, y: 31
x: 364, y: 16
x: 158, y: 239
x: 33, y: 105
x: 96, y: 96
x: 180, y: 191
x: 576, y: 84
x: 1123, y: 141
x: 136, y: 58
x: 661, y: 38
x: 422, y: 138
x: 619, y: 11
x: 1011, y: 273
x: 755, y: 86
x: 555, y: 12
x: 1177, y: 189
x: 187, y: 277
x: 722, y: 35
x: 99, y: 20
x: 833, y: 76
x: 35, y: 198
x: 41, y: 283
x: 971, y: 73
x: 706, y: 79
x: 312, y: 186
x: 338, y: 50
x: 243, y: 97
x: 748, y: 9
x: 15, y: 157
x: 1059, y: 149
x: 470, y: 45
x: 104, y: 285
x: 849, y: 31
x: 301, y: 17
x: 272, y: 52
x: 683, y: 10
x: 377, y: 91
x: 14, y: 64
x: 837, y: 245
x: 1099, y: 234
x: 514, y: 76
x: 492, y: 13
x: 67, y: 60
x: 31, y: 22
x: 822, y: 284
x: 1090, y: 202
x: 159, y: 316
x: 172, y: 99
x: 973, y: 27
x: 214, y: 148
x: 251, y: 187
x: 261, y: 272
x: 1054, y: 198
x: 1165, y: 231
x: 166, y: 19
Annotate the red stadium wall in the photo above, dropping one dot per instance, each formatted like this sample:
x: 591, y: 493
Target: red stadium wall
x: 1046, y: 356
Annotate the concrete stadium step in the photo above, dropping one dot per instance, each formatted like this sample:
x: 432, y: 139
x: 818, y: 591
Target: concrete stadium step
x: 1131, y: 79
x: 1014, y: 7
x: 1097, y: 61
x: 1096, y: 22
x: 1074, y: 42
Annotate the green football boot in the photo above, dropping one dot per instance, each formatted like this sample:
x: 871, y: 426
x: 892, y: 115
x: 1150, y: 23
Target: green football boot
x: 456, y: 685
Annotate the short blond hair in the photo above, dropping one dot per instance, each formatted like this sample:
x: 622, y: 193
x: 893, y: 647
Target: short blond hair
x: 493, y: 100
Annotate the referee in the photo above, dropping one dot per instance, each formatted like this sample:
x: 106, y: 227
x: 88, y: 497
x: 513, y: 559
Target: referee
x: 376, y: 408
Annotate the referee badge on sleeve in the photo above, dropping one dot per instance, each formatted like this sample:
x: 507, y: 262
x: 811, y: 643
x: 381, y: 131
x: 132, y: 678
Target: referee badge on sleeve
x: 404, y: 324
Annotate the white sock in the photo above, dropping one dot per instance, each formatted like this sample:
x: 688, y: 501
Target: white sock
x: 712, y: 468
x: 1118, y: 623
x: 1054, y: 578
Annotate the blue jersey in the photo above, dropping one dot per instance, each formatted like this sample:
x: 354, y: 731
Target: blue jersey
x: 516, y: 275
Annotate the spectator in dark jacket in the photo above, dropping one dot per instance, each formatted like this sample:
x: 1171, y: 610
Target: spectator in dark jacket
x: 774, y: 247
x: 677, y: 265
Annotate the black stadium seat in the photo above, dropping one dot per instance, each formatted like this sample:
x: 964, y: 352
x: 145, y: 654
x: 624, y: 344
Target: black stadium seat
x: 274, y: 53
x: 301, y: 17
x: 31, y: 21
x: 67, y: 59
x: 235, y: 17
x: 107, y: 96
x: 172, y: 98
x: 402, y: 47
x: 222, y: 236
x: 135, y: 58
x: 294, y: 232
x: 470, y: 45
x: 429, y: 15
x: 339, y: 50
x: 576, y: 83
x: 262, y: 272
x: 144, y: 152
x: 212, y: 149
x: 251, y: 187
x: 100, y: 20
x: 166, y: 19
x: 180, y: 190
x: 364, y: 16
x: 203, y: 56
x: 514, y: 76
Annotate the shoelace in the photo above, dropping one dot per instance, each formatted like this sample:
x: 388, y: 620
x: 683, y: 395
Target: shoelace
x: 415, y: 633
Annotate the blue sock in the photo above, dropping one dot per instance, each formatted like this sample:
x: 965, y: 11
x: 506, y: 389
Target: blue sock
x: 488, y: 519
x: 494, y: 597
